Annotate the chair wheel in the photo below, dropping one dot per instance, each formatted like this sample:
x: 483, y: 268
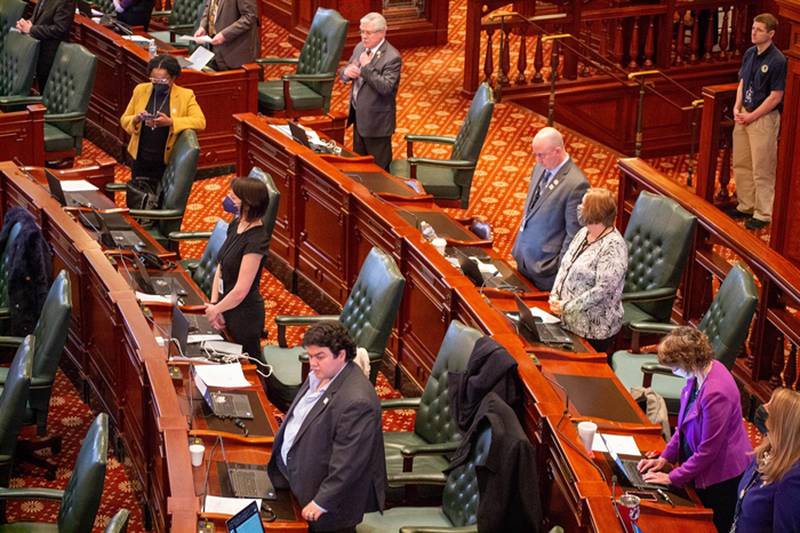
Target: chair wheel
x: 56, y: 447
x: 50, y: 474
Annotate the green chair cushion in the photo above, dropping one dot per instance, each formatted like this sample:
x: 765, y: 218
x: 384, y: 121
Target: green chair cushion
x: 270, y: 96
x: 56, y: 140
x: 394, y: 441
x: 394, y: 519
x: 285, y: 380
x: 29, y: 527
x: 438, y: 181
x: 628, y: 368
x: 632, y: 313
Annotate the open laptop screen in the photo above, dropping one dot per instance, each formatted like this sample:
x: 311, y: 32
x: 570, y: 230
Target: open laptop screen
x: 248, y: 520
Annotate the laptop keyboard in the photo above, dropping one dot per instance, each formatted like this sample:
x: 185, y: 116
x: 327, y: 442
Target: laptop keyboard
x: 552, y: 334
x: 251, y: 482
x: 126, y: 239
x: 234, y: 406
x: 631, y: 469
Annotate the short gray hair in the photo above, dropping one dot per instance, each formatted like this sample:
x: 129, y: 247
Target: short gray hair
x: 375, y: 19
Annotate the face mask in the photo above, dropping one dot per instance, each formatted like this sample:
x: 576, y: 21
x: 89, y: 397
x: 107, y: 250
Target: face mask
x: 681, y: 373
x: 159, y: 89
x: 229, y: 206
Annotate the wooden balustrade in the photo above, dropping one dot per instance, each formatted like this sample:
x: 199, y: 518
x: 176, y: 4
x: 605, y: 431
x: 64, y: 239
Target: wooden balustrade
x: 716, y: 141
x: 771, y: 352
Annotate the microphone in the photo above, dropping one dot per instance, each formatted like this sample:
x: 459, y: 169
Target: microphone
x: 566, y: 398
x: 614, y: 503
x: 208, y: 471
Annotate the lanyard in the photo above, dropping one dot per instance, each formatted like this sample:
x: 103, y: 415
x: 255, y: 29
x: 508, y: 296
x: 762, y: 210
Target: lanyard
x: 753, y: 478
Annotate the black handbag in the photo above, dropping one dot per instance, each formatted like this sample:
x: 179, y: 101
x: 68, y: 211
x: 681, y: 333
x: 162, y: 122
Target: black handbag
x: 140, y: 193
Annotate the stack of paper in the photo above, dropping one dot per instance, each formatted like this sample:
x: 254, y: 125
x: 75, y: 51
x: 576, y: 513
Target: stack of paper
x: 622, y: 444
x: 221, y: 376
x: 227, y: 506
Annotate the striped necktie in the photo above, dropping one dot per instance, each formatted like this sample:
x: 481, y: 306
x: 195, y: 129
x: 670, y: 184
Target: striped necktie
x: 537, y: 193
x: 359, y: 82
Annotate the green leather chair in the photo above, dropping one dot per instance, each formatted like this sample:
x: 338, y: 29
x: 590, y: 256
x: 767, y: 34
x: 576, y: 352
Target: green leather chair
x: 10, y: 12
x: 17, y: 65
x: 726, y: 323
x: 459, y: 510
x: 308, y: 90
x: 659, y: 234
x: 368, y: 314
x: 5, y: 260
x: 106, y: 6
x: 176, y: 184
x: 81, y: 499
x: 182, y: 19
x: 118, y: 522
x: 271, y: 215
x: 450, y: 180
x: 51, y: 336
x: 13, y: 401
x: 435, y: 428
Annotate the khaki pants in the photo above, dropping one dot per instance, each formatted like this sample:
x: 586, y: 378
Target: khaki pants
x: 755, y: 157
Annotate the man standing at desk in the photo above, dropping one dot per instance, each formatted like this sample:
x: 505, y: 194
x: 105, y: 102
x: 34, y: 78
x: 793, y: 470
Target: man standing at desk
x: 550, y: 218
x: 50, y: 25
x: 374, y: 70
x: 329, y: 449
x: 233, y: 27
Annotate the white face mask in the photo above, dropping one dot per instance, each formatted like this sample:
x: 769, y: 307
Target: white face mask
x: 681, y: 373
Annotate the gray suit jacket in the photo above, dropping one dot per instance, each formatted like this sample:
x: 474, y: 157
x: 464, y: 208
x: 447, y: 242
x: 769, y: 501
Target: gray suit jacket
x: 238, y: 21
x: 375, y: 114
x: 337, y: 458
x: 548, y: 228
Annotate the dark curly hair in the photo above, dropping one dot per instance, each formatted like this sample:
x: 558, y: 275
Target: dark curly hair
x: 167, y: 62
x: 686, y: 347
x: 333, y: 335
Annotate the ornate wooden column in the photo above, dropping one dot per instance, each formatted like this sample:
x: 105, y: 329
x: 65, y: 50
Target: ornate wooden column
x: 784, y: 236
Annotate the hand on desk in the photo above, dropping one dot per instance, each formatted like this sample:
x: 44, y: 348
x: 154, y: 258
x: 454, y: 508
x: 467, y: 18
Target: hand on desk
x: 652, y: 466
x: 659, y: 478
x: 312, y: 512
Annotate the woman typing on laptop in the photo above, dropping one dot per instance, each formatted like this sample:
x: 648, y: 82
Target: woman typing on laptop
x: 710, y: 448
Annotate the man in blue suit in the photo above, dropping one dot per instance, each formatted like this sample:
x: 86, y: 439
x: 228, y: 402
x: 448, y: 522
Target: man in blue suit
x: 550, y: 217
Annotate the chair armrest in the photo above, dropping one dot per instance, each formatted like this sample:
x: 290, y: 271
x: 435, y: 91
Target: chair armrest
x: 190, y: 265
x: 414, y: 478
x: 282, y: 321
x: 458, y: 164
x: 189, y: 235
x: 277, y: 60
x: 162, y: 13
x: 157, y: 214
x: 401, y: 403
x: 651, y: 327
x: 651, y: 295
x: 31, y: 493
x: 440, y: 448
x: 18, y: 103
x: 116, y: 186
x: 10, y: 342
x: 177, y: 27
x: 64, y: 117
x: 437, y: 139
x: 424, y: 529
x: 309, y: 77
x: 656, y: 368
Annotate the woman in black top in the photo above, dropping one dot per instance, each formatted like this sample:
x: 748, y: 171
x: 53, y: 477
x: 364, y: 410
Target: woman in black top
x: 236, y: 303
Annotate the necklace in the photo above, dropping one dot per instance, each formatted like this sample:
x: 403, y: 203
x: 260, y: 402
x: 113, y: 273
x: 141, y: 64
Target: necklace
x: 160, y: 108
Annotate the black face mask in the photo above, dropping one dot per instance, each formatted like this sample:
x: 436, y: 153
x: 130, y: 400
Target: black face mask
x: 160, y: 89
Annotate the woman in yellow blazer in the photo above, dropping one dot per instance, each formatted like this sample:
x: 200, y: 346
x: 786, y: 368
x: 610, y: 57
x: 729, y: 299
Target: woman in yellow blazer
x: 157, y: 113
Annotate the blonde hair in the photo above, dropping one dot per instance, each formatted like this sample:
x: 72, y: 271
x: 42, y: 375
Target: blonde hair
x: 780, y: 449
x: 599, y: 207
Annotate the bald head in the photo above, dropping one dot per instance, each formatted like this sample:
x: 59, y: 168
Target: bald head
x: 548, y: 147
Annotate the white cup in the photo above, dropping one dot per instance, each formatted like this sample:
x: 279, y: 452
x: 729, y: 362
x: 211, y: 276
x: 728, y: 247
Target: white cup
x: 586, y: 431
x: 440, y: 244
x: 197, y: 451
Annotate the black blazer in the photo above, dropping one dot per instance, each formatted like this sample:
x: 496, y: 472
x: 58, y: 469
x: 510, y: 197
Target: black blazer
x: 52, y: 20
x: 337, y: 458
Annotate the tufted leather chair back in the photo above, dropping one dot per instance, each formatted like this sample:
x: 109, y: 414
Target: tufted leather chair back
x: 5, y: 262
x: 658, y: 235
x: 85, y: 486
x: 106, y: 6
x: 176, y: 184
x: 51, y: 336
x: 10, y: 12
x: 185, y: 12
x: 371, y: 307
x: 470, y: 138
x: 322, y: 50
x: 274, y: 201
x: 203, y: 274
x: 461, y: 495
x: 727, y: 321
x: 69, y: 87
x: 13, y: 400
x: 118, y: 522
x: 17, y: 64
x: 435, y: 421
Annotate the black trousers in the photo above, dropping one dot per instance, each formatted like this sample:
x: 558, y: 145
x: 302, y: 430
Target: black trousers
x: 153, y: 169
x: 721, y: 498
x: 379, y: 148
x: 245, y: 324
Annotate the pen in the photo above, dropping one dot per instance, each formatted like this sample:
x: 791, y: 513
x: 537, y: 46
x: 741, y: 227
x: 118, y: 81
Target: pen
x: 666, y: 497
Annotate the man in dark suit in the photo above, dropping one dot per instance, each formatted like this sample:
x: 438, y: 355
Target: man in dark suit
x: 329, y: 449
x: 50, y: 24
x: 550, y: 217
x: 233, y: 27
x: 374, y: 70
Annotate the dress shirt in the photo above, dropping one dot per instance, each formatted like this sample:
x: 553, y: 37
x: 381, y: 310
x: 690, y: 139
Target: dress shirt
x: 360, y: 81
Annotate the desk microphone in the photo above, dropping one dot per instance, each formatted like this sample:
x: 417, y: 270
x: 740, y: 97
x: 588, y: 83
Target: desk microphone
x: 565, y: 414
x: 614, y: 503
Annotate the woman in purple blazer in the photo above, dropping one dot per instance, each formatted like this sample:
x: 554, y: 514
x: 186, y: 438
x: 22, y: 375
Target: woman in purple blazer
x: 770, y: 487
x: 709, y: 450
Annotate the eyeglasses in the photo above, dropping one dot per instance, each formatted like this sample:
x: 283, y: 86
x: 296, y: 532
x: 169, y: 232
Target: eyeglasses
x: 368, y: 33
x: 159, y: 81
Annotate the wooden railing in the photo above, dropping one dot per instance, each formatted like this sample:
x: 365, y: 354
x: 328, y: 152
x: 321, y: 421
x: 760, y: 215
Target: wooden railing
x: 714, y: 153
x: 770, y: 358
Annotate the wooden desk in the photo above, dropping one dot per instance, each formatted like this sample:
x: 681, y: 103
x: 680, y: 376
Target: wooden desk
x: 113, y: 356
x: 22, y: 135
x: 328, y: 221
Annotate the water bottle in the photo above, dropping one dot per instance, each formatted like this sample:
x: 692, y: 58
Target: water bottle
x: 152, y: 48
x: 427, y: 231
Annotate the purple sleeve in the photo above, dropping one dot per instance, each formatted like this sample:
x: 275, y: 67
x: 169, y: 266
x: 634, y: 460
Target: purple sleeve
x: 785, y: 511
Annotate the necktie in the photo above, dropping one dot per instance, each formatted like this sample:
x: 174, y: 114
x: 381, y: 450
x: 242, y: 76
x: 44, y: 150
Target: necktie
x: 212, y: 17
x: 38, y: 10
x: 359, y: 82
x: 539, y: 188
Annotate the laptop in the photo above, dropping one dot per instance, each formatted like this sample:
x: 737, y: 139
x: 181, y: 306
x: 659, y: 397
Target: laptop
x: 248, y: 520
x: 160, y: 285
x: 248, y: 480
x: 225, y: 404
x: 299, y: 134
x: 549, y: 334
x: 183, y: 325
x: 628, y: 469
x: 75, y: 199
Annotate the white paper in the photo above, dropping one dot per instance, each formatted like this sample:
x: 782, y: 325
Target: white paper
x: 283, y: 128
x: 622, y: 444
x: 227, y: 506
x: 136, y: 39
x: 222, y: 376
x: 77, y: 186
x: 200, y: 58
x: 485, y: 268
x: 154, y: 298
x: 222, y: 347
x: 546, y: 317
x: 195, y: 339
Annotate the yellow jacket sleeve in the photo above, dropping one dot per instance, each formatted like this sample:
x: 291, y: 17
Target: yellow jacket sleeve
x: 135, y: 106
x: 194, y: 118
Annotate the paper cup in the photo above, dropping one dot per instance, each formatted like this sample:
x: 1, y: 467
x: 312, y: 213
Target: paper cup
x: 586, y: 431
x: 440, y: 244
x: 197, y: 451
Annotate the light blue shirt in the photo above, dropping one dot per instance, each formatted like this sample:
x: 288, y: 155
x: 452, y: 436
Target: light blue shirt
x: 554, y: 172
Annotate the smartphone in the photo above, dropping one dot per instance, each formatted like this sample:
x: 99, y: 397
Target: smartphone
x: 644, y: 495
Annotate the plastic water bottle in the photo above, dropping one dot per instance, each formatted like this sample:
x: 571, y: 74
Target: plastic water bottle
x: 427, y: 231
x: 152, y: 48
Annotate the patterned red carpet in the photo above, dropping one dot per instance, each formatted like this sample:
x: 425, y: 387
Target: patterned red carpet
x: 429, y: 102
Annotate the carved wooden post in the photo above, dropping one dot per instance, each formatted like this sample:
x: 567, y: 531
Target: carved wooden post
x: 724, y: 195
x: 724, y: 39
x: 709, y: 44
x: 648, y: 43
x: 618, y: 44
x: 790, y: 374
x: 522, y: 59
x: 681, y: 38
x: 777, y: 362
x: 505, y: 57
x: 633, y: 48
x: 488, y: 61
x: 538, y: 60
x: 695, y: 37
